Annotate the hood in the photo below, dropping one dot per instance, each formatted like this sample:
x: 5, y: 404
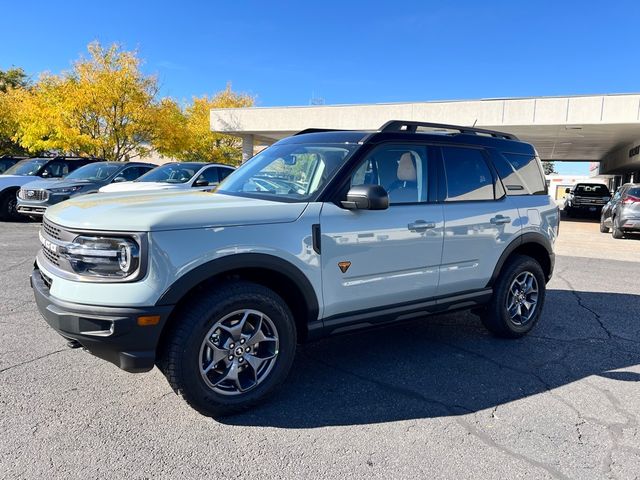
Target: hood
x: 155, y: 211
x: 7, y: 181
x: 60, y: 183
x: 141, y: 186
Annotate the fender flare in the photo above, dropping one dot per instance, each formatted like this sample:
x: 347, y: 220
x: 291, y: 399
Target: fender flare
x: 523, y: 239
x: 176, y: 291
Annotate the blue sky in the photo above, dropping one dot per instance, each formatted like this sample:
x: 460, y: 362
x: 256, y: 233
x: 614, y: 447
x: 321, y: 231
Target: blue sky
x: 285, y: 53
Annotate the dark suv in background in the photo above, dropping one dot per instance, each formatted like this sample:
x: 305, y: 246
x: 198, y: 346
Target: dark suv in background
x: 586, y: 198
x: 35, y: 197
x: 7, y: 162
x: 28, y: 170
x: 622, y: 213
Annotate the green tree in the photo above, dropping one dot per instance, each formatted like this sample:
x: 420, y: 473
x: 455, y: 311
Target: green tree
x: 549, y: 168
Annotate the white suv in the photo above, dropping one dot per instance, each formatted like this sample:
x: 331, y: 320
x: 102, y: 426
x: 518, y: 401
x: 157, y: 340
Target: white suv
x: 323, y: 232
x: 175, y: 176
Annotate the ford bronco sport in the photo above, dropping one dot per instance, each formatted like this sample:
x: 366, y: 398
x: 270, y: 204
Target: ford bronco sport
x: 323, y: 232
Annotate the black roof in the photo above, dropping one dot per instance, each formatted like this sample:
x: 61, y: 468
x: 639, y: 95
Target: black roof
x: 409, y: 131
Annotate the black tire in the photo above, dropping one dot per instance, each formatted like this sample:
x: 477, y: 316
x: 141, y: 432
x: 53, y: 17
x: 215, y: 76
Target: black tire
x: 8, y: 204
x: 496, y: 317
x: 568, y: 211
x: 180, y: 354
x: 616, y: 231
x: 603, y: 227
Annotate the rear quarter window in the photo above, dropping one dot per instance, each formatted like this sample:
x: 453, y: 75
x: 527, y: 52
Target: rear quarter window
x: 521, y: 174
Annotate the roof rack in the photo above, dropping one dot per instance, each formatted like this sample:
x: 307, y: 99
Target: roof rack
x: 412, y: 127
x: 317, y: 130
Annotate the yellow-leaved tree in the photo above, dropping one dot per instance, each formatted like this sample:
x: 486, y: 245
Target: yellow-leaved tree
x: 198, y: 142
x: 104, y: 107
x: 10, y: 81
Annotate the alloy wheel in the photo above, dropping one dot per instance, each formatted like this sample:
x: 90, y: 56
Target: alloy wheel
x: 238, y: 352
x: 522, y: 299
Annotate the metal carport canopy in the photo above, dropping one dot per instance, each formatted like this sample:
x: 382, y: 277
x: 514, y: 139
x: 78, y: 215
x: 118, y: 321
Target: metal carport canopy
x: 573, y: 128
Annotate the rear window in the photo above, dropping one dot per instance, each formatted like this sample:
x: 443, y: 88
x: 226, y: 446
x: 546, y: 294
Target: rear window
x: 635, y: 191
x: 591, y: 190
x: 521, y: 174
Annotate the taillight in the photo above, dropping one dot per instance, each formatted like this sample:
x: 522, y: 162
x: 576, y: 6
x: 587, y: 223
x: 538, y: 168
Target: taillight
x: 627, y: 199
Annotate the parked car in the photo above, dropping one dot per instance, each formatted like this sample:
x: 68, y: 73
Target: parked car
x: 380, y: 227
x: 622, y: 213
x: 7, y: 162
x: 586, y: 198
x: 26, y: 171
x: 175, y: 176
x: 35, y: 197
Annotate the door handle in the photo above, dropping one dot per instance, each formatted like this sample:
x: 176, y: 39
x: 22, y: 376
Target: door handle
x: 500, y: 219
x: 421, y: 226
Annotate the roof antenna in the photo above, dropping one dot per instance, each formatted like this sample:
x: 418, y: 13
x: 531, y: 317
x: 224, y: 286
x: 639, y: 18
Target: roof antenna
x: 474, y: 123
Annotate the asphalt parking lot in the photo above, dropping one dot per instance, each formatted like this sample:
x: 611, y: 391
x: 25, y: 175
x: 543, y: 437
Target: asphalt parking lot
x: 435, y: 398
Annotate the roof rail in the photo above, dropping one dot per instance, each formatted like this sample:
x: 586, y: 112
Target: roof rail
x: 412, y: 127
x: 317, y: 130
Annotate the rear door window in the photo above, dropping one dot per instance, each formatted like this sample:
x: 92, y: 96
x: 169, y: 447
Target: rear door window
x: 467, y: 174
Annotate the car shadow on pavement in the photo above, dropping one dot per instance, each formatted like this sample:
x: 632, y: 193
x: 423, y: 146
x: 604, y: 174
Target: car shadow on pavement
x: 448, y: 365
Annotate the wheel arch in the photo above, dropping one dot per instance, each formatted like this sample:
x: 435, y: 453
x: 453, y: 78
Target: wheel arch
x: 279, y: 275
x: 532, y: 244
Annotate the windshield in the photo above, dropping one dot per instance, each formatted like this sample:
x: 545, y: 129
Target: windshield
x: 294, y: 171
x: 94, y: 172
x: 171, y: 173
x: 27, y: 167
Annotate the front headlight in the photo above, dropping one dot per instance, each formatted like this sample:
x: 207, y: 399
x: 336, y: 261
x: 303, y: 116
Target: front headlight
x: 65, y: 189
x: 107, y: 257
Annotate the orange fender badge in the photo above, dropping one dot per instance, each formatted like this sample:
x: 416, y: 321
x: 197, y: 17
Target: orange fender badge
x: 344, y: 266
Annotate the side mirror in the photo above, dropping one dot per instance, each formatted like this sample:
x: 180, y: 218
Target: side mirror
x: 119, y: 180
x: 200, y: 183
x: 366, y: 197
x: 567, y: 190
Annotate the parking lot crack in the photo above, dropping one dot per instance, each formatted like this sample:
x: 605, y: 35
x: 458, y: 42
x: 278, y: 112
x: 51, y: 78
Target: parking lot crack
x: 582, y: 305
x: 31, y: 360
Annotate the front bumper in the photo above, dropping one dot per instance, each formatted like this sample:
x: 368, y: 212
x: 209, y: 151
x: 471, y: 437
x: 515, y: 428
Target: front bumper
x: 110, y: 333
x: 38, y: 208
x: 31, y: 210
x: 586, y: 207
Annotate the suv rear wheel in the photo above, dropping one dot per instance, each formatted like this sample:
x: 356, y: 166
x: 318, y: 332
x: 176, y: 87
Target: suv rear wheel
x: 616, y: 231
x: 230, y: 349
x: 518, y: 297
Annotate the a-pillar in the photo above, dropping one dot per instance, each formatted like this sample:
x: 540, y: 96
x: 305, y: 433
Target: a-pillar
x: 247, y: 147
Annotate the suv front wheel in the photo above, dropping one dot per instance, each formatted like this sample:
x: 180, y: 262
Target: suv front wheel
x: 230, y: 349
x: 518, y: 297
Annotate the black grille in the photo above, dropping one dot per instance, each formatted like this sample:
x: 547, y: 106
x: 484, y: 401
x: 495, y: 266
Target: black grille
x: 52, y: 231
x: 52, y: 257
x: 37, y: 195
x: 47, y: 281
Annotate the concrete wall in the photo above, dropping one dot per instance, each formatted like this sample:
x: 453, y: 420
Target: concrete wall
x: 492, y: 112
